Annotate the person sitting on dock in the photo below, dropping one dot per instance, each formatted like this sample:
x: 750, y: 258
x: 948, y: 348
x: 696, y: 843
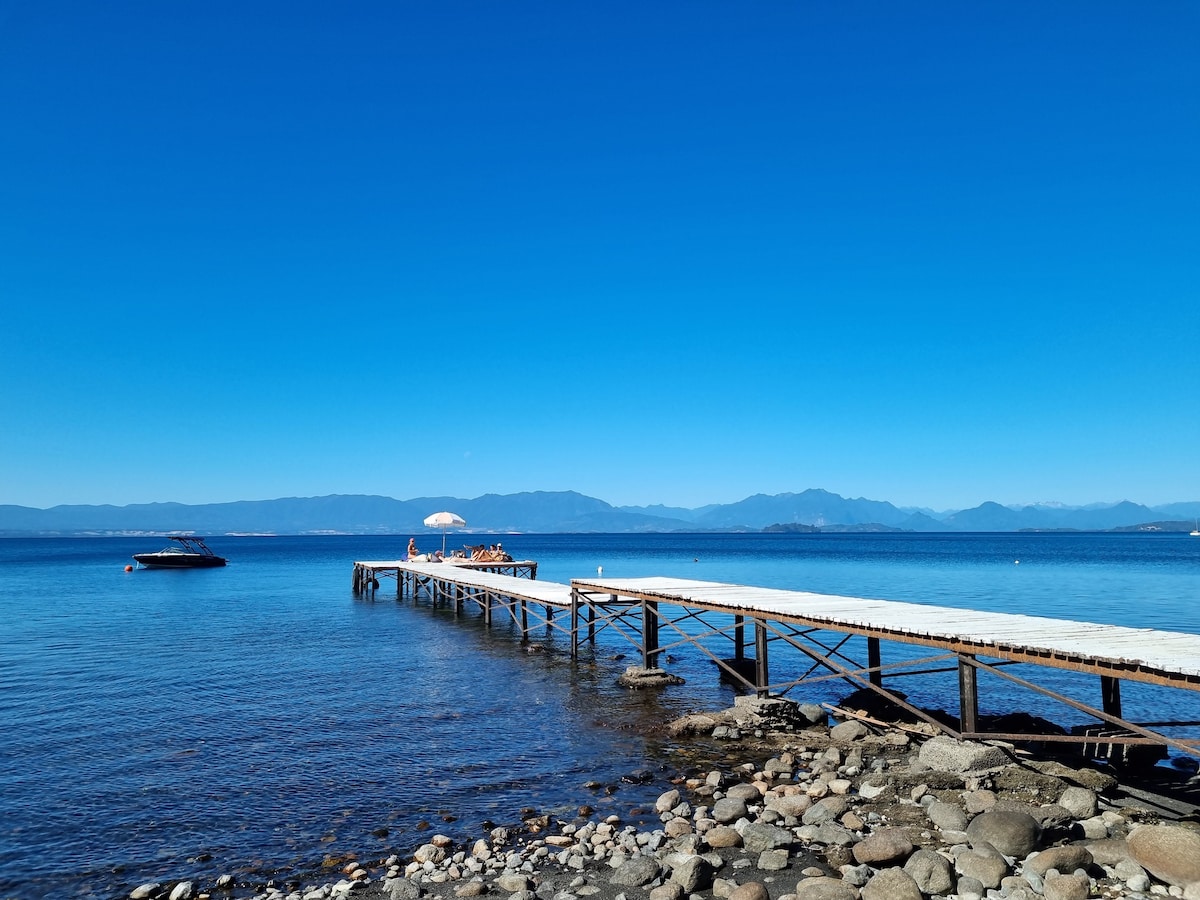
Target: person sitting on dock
x: 413, y: 552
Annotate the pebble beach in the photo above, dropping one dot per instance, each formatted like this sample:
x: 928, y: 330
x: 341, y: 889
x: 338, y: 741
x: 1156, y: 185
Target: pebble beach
x: 806, y: 807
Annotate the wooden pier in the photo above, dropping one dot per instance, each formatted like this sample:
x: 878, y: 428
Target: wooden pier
x: 746, y: 632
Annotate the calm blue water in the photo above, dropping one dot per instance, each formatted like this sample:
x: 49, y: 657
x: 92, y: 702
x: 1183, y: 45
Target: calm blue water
x: 259, y: 718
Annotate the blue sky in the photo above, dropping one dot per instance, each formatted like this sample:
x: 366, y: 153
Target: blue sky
x: 679, y: 253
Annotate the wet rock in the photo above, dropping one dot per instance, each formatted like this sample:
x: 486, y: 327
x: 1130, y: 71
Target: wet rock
x: 696, y: 723
x: 145, y: 891
x: 638, y: 677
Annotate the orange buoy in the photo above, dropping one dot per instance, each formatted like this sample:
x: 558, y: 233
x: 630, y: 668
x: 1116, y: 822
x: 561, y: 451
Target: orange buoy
x: 129, y: 568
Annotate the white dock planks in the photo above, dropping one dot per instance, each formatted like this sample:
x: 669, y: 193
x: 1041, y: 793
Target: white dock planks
x: 548, y: 593
x: 1166, y: 652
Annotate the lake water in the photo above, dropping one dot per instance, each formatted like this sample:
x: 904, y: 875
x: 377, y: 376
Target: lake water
x: 260, y: 718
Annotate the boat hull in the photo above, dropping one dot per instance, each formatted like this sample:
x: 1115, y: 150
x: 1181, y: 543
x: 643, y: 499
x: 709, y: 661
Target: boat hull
x: 178, y: 560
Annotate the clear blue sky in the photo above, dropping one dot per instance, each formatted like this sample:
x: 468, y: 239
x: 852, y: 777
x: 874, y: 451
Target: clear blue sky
x: 680, y: 253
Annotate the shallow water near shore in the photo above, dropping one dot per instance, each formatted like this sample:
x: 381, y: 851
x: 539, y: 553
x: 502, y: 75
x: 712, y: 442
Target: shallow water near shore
x: 166, y: 724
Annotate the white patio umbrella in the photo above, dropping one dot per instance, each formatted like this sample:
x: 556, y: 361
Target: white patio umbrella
x: 444, y: 520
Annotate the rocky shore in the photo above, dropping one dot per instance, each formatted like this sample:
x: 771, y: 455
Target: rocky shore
x: 806, y: 809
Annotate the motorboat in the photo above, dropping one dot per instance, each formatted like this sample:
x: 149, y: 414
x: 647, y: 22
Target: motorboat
x: 189, y: 552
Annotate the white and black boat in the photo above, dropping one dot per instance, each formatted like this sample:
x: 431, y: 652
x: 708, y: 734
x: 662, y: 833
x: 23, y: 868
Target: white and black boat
x: 189, y: 553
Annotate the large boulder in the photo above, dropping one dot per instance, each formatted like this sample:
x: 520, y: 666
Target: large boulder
x: 751, y: 890
x: 1081, y: 801
x: 944, y: 754
x: 635, y: 872
x: 931, y: 871
x: 983, y: 864
x: 692, y: 874
x: 757, y: 837
x: 883, y: 847
x: 729, y: 809
x: 721, y: 836
x: 1169, y: 853
x: 1012, y: 832
x: 891, y: 884
x: 1066, y: 858
x: 1066, y: 887
x: 946, y: 816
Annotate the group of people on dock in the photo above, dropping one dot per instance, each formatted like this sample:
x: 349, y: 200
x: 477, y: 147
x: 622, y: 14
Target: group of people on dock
x: 492, y: 553
x: 481, y: 553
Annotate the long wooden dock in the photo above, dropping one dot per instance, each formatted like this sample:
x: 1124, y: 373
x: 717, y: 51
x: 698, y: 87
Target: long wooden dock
x: 744, y: 630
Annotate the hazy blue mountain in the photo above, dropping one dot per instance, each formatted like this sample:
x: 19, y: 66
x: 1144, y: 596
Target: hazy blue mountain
x: 564, y: 511
x: 994, y: 517
x: 664, y: 512
x: 1180, y: 510
x: 810, y: 507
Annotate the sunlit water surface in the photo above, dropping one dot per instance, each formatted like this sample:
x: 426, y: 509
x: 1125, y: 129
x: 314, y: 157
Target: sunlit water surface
x: 261, y: 718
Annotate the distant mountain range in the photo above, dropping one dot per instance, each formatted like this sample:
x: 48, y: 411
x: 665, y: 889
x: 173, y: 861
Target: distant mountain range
x: 542, y: 512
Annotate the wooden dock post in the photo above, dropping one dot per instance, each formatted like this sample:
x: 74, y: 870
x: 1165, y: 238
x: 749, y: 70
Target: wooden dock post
x: 574, y: 623
x: 1110, y: 692
x: 761, y: 669
x: 874, y: 661
x: 650, y: 649
x: 968, y: 694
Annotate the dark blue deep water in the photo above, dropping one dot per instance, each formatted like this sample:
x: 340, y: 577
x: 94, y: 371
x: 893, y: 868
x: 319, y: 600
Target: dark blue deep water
x: 260, y: 718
